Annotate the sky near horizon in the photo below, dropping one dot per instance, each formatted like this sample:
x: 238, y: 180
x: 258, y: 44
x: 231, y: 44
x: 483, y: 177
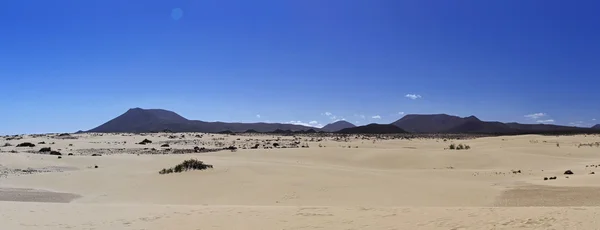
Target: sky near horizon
x: 71, y: 65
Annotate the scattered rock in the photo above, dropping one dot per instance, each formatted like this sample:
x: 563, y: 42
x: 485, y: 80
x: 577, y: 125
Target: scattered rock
x: 165, y: 145
x: 545, y: 178
x: 96, y: 155
x: 70, y: 154
x: 568, y: 172
x: 56, y: 153
x: 95, y: 166
x: 59, y: 157
x: 592, y: 173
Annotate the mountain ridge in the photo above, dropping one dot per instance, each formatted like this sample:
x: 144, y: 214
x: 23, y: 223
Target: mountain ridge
x: 138, y: 120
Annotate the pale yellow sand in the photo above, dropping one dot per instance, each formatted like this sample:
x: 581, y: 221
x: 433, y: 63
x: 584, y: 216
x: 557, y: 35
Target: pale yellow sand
x: 386, y: 184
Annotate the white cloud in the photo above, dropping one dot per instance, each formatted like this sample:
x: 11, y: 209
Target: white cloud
x: 257, y: 115
x: 401, y: 113
x: 331, y: 116
x: 376, y: 117
x: 593, y: 119
x: 413, y: 96
x: 309, y: 124
x: 545, y: 121
x: 535, y: 115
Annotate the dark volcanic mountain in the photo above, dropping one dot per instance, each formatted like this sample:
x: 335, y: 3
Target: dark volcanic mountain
x: 373, y: 129
x: 337, y: 126
x: 139, y: 120
x: 442, y: 123
x: 431, y: 123
x: 596, y: 126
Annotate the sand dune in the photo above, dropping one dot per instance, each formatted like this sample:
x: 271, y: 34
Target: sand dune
x: 355, y: 184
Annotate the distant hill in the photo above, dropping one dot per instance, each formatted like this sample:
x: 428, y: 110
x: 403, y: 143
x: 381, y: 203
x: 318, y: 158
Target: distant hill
x: 139, y: 120
x: 337, y: 126
x: 596, y: 126
x: 429, y: 123
x: 373, y: 129
x: 443, y: 123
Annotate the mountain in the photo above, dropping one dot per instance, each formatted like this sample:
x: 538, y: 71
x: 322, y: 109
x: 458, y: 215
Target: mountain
x: 431, y: 123
x: 596, y: 126
x: 443, y: 123
x: 373, y: 129
x: 139, y: 120
x: 337, y: 126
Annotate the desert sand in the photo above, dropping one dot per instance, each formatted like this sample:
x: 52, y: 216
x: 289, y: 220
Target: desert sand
x: 334, y: 183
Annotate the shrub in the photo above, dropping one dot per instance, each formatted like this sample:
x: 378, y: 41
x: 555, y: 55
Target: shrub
x: 26, y: 144
x: 459, y: 147
x: 45, y: 149
x: 145, y: 141
x: 186, y: 165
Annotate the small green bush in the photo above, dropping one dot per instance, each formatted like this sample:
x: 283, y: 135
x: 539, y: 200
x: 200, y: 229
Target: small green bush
x: 186, y: 165
x: 459, y: 147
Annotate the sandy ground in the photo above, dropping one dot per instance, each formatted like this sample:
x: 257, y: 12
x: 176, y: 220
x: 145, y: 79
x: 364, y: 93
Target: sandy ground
x: 344, y: 184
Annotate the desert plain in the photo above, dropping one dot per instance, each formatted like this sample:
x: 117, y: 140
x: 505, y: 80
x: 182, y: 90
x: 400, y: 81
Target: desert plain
x: 304, y: 181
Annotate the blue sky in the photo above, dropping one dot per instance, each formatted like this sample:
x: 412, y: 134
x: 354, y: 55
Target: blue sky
x: 71, y: 65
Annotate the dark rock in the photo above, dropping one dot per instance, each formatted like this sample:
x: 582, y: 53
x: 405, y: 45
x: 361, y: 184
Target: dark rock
x: 59, y: 157
x: 70, y: 154
x: 96, y: 155
x: 56, y: 153
x: 165, y: 145
x: 41, y: 143
x: 95, y: 166
x: 568, y: 172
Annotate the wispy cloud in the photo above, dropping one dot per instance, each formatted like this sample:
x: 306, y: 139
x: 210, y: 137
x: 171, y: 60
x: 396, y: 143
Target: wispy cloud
x: 545, y: 121
x: 535, y: 115
x: 413, y: 96
x: 593, y: 119
x: 331, y: 116
x: 401, y: 113
x: 376, y: 117
x: 257, y: 115
x: 309, y: 124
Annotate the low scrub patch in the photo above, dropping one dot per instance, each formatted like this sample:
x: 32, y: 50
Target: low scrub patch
x: 459, y: 147
x: 186, y: 165
x: 26, y: 144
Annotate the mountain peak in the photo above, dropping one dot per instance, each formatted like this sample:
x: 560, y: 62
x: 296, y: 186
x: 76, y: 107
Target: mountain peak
x: 337, y: 126
x: 596, y: 126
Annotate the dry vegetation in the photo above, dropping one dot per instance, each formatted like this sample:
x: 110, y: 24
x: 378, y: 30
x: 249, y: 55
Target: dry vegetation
x: 186, y: 165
